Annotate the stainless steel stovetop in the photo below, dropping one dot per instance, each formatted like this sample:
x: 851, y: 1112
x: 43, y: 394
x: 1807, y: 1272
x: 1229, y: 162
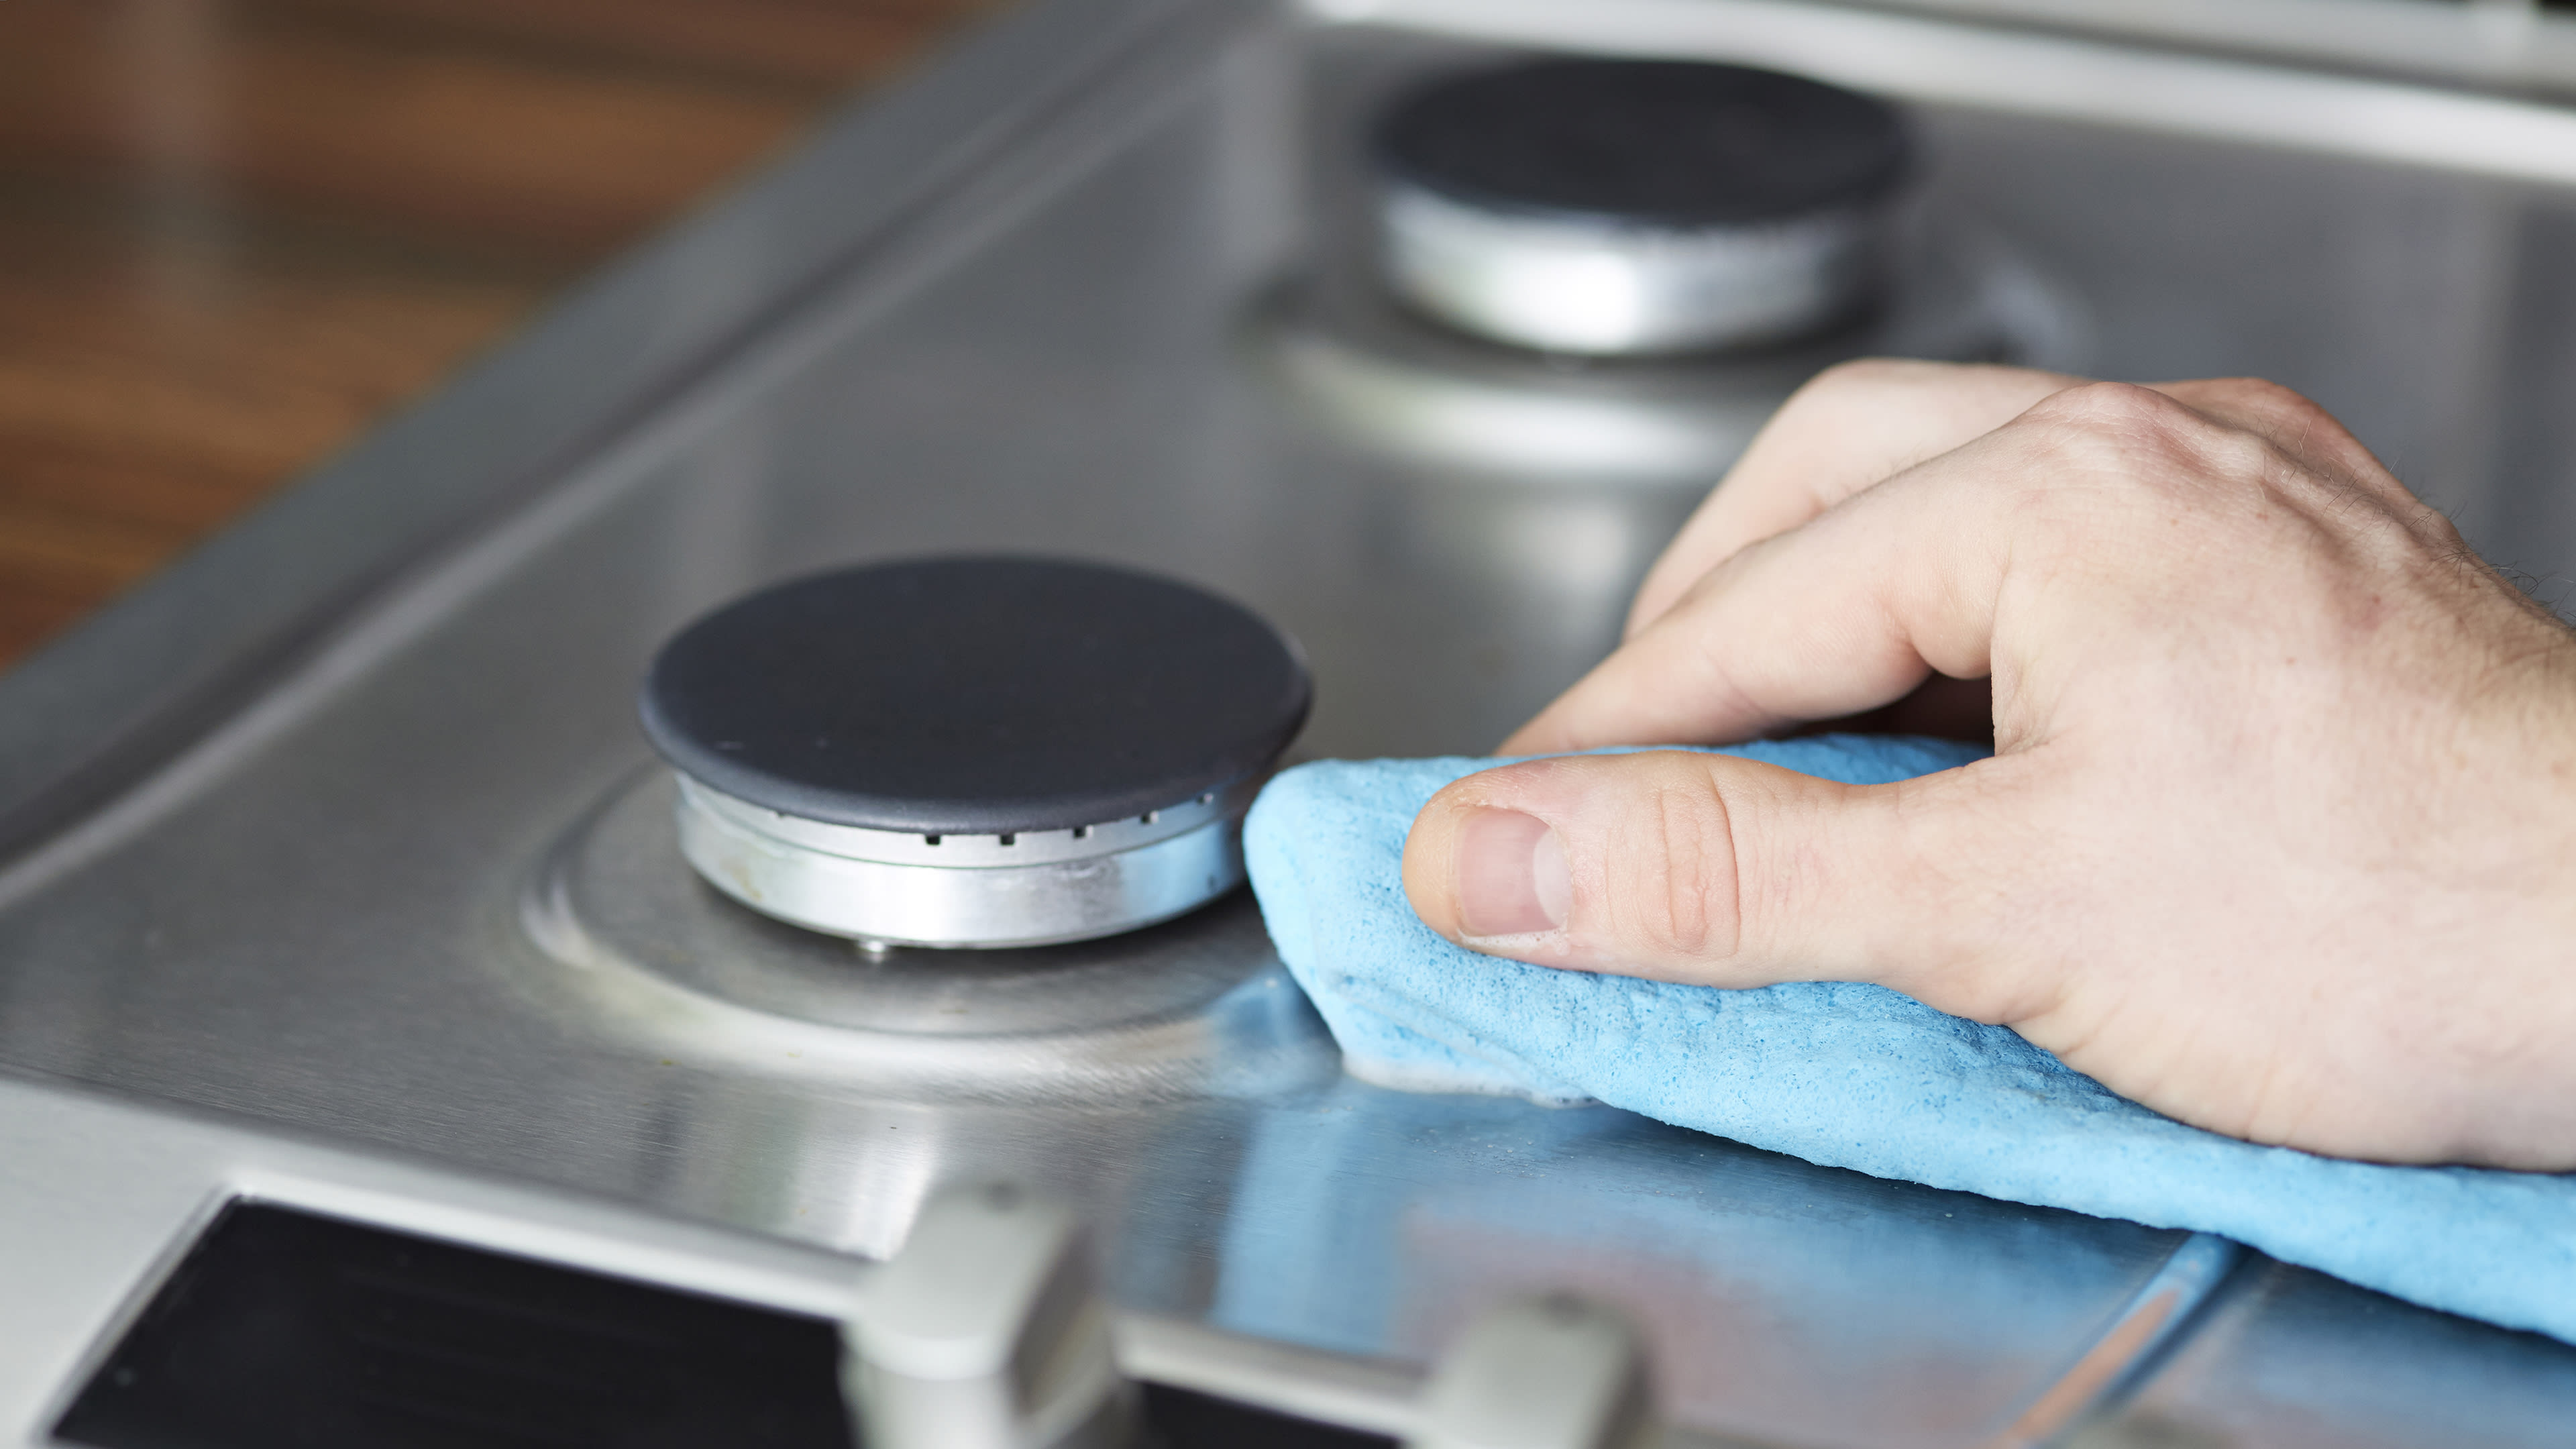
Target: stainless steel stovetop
x: 343, y: 879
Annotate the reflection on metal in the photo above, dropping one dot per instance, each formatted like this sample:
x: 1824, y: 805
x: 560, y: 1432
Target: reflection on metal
x: 2033, y: 74
x: 1542, y: 554
x: 2498, y: 42
x: 1382, y: 378
x: 651, y: 955
x: 1777, y: 1301
x: 2285, y: 1346
x: 2128, y: 1346
x: 1373, y: 1396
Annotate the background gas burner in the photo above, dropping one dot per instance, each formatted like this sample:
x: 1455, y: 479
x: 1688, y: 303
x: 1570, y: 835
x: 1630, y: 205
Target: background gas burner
x: 1520, y: 272
x: 973, y: 751
x: 1619, y: 207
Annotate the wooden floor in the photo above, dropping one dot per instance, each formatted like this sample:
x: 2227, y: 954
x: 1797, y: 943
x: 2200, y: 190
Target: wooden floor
x: 233, y: 233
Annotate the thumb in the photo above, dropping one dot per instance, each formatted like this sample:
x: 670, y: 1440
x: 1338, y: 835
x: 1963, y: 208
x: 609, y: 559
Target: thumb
x: 1686, y: 867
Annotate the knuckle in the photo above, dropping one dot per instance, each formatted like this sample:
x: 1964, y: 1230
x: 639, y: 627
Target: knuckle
x: 2107, y: 409
x: 2290, y: 420
x: 2135, y: 445
x: 2440, y: 532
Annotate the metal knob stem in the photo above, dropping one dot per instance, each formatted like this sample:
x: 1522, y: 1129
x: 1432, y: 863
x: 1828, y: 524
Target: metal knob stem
x: 1556, y: 1372
x: 988, y: 1332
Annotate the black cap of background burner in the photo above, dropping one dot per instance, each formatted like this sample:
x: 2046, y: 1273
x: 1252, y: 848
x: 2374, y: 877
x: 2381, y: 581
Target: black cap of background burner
x: 1674, y: 144
x: 974, y: 696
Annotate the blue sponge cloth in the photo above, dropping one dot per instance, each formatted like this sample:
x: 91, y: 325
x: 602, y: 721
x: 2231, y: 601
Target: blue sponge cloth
x: 1852, y: 1075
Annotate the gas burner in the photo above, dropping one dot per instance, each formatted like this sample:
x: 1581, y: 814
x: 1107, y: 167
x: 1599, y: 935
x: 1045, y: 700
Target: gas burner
x: 972, y: 752
x: 1627, y: 207
x: 1594, y: 270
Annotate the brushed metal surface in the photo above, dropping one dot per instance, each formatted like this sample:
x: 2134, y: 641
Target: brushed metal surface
x: 317, y: 914
x: 1370, y: 372
x: 638, y: 946
x: 2290, y: 1359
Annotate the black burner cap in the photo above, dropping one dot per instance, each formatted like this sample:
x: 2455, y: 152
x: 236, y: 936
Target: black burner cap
x: 975, y: 696
x: 1644, y: 142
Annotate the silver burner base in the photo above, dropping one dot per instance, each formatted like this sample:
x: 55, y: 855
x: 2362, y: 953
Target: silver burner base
x: 980, y: 892
x: 654, y: 956
x: 1608, y: 290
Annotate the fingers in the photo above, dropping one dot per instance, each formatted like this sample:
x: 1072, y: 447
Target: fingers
x: 1845, y: 613
x: 1705, y: 869
x: 1845, y: 430
x: 1855, y: 607
x: 1854, y: 425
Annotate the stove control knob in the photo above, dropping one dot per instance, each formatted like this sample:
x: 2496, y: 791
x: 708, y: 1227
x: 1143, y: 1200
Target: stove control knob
x: 1556, y: 1372
x: 973, y: 751
x: 1634, y: 206
x: 987, y: 1332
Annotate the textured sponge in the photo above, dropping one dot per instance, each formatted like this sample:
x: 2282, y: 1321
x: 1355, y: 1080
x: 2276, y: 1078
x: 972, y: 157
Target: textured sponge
x: 1852, y: 1075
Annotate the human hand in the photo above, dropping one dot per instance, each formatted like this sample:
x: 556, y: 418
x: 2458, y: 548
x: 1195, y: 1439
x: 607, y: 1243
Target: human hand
x: 2279, y: 837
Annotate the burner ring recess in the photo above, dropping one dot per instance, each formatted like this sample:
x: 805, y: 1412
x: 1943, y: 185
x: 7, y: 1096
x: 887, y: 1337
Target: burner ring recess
x: 1615, y: 207
x: 973, y: 751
